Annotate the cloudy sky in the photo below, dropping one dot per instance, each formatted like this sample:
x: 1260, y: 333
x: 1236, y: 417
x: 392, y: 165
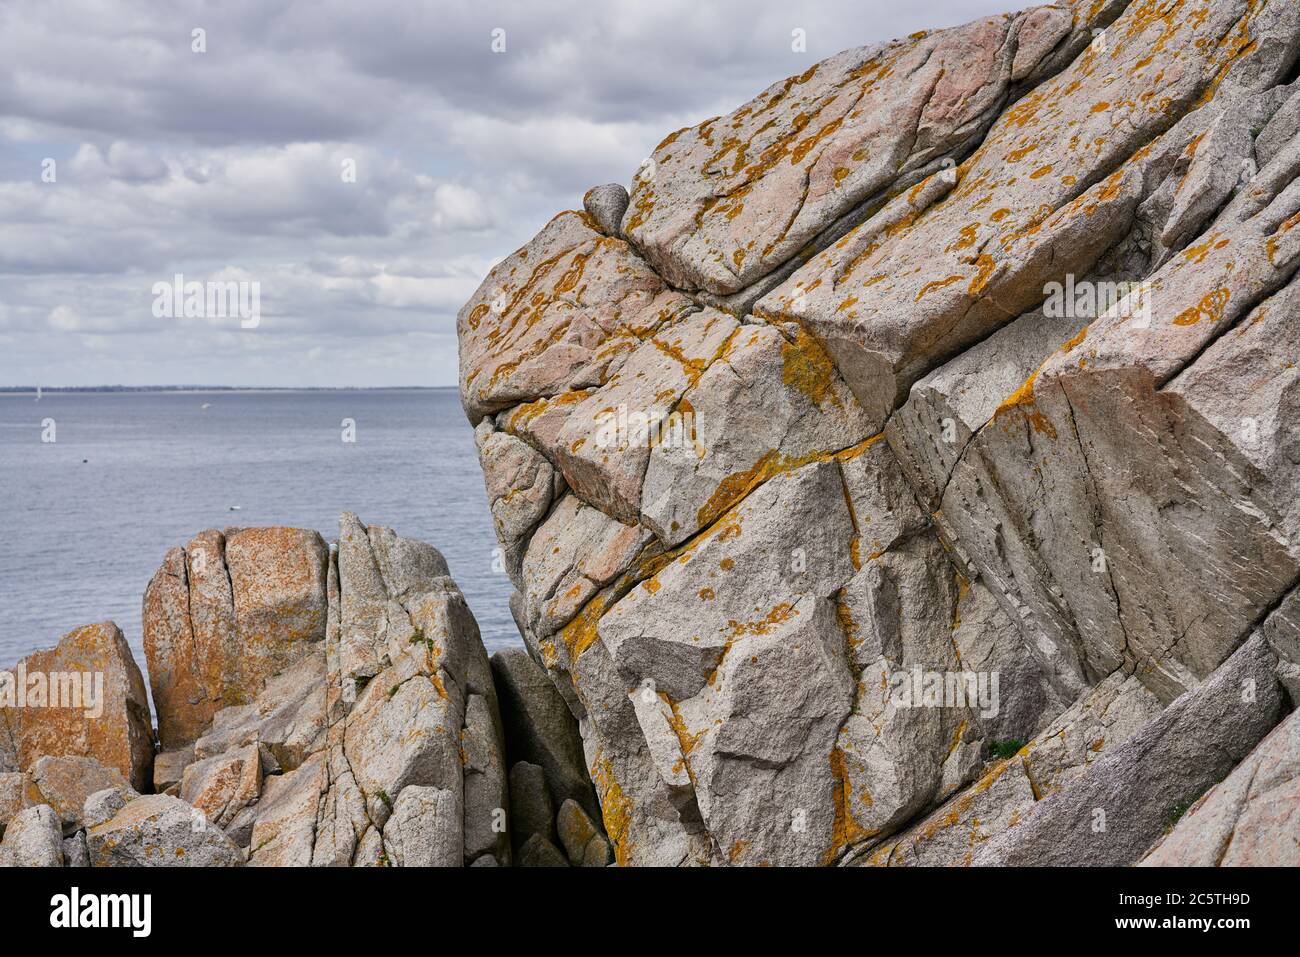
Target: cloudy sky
x: 229, y: 164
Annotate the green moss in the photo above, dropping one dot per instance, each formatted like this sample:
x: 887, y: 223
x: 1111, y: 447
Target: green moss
x: 1006, y: 748
x: 1178, y: 810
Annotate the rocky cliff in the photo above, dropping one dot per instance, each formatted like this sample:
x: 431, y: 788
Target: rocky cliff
x: 905, y: 471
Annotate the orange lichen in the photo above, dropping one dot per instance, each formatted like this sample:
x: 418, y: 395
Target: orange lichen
x: 615, y: 810
x: 777, y: 616
x: 937, y: 284
x: 845, y: 830
x: 1212, y: 307
x: 805, y: 366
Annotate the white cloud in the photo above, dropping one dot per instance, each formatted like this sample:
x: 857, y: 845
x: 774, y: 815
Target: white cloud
x: 230, y: 162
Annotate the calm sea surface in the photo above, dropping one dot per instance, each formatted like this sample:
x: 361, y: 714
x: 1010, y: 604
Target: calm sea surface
x: 86, y: 519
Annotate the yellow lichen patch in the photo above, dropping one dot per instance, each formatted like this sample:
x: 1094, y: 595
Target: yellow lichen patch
x: 1198, y: 253
x: 854, y: 451
x: 580, y: 633
x: 852, y: 636
x: 845, y: 830
x: 985, y: 268
x: 762, y: 626
x: 1023, y: 399
x: 1041, y: 172
x: 807, y: 368
x: 956, y: 738
x: 436, y: 679
x: 1074, y: 341
x: 707, y: 594
x: 1015, y: 156
x: 963, y: 587
x: 550, y: 655
x: 615, y: 810
x: 1211, y: 307
x: 968, y: 236
x: 524, y: 414
x: 477, y: 313
x: 937, y: 284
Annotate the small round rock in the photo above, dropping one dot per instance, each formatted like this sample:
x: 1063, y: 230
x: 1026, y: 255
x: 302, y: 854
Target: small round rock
x: 606, y: 205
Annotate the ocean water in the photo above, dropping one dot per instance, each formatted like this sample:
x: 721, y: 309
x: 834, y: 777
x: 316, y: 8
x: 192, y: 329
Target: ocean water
x: 87, y: 519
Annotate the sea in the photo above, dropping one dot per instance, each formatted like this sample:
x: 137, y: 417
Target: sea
x: 96, y: 486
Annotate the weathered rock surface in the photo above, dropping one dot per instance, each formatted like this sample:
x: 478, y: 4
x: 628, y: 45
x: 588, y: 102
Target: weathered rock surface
x: 539, y: 727
x: 13, y: 796
x: 65, y: 783
x: 84, y: 698
x: 1246, y: 819
x: 33, y: 838
x: 531, y: 808
x: 1119, y: 807
x: 225, y: 614
x: 966, y: 356
x: 160, y: 831
x: 606, y: 206
x: 223, y: 786
x: 103, y: 805
x: 370, y: 734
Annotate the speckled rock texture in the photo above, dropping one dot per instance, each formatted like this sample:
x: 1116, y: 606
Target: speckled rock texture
x: 911, y: 476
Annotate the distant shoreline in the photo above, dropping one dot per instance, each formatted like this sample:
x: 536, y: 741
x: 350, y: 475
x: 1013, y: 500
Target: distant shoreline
x: 201, y: 389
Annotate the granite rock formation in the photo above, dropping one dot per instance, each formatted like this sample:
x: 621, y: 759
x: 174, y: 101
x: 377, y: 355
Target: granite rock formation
x: 327, y: 706
x: 964, y: 357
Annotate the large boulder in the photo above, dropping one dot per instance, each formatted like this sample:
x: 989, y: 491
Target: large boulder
x: 84, y: 698
x: 33, y: 838
x: 226, y: 613
x: 160, y: 831
x: 817, y: 426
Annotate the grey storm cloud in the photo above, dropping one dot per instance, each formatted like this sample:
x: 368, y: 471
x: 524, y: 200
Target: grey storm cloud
x: 230, y: 163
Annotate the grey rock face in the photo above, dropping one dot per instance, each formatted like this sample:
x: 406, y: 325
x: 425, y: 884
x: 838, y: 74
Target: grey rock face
x: 1113, y: 813
x: 537, y: 851
x: 169, y: 767
x: 1245, y: 820
x: 160, y: 831
x: 531, y: 810
x: 33, y: 838
x: 75, y: 851
x: 104, y: 805
x: 423, y: 830
x: 606, y: 205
